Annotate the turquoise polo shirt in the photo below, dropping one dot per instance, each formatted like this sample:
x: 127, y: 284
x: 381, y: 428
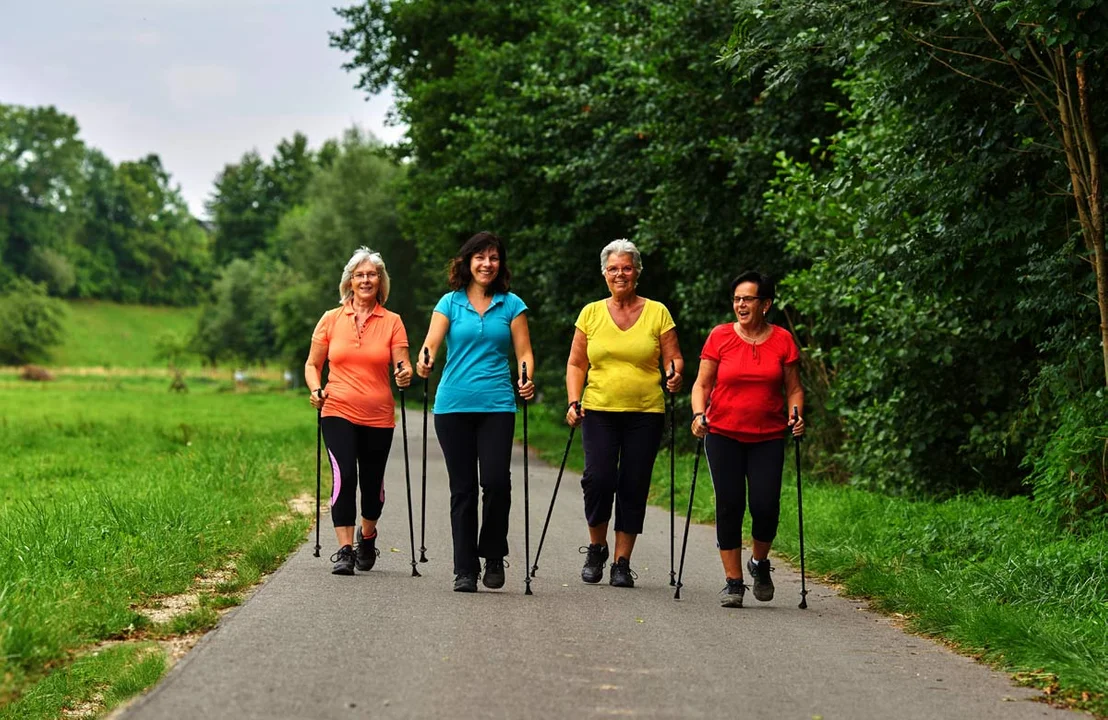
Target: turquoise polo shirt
x: 477, y: 377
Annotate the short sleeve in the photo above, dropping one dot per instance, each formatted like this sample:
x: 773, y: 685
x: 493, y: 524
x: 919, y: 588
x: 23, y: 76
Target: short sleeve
x: 584, y: 319
x: 399, y: 334
x: 322, y: 333
x: 442, y: 307
x: 516, y: 306
x: 665, y: 320
x: 711, y: 347
x: 792, y: 353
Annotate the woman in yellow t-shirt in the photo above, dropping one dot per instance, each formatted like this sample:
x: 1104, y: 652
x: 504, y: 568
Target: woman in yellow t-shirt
x: 618, y: 344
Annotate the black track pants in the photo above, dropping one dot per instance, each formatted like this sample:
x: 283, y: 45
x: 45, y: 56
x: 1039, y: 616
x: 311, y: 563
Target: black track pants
x: 358, y: 455
x: 737, y: 467
x: 620, y: 448
x: 478, y: 452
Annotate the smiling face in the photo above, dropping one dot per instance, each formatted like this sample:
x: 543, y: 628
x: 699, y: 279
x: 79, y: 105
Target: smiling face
x: 484, y: 266
x: 364, y: 282
x: 621, y: 275
x: 750, y: 310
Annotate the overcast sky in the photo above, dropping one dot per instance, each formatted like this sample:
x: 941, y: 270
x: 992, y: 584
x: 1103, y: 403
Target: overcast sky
x: 199, y: 82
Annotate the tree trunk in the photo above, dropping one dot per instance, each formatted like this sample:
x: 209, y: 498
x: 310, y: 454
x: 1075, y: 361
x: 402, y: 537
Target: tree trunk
x: 1095, y: 209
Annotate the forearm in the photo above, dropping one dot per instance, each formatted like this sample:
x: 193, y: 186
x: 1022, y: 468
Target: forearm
x: 312, y: 376
x: 575, y: 383
x: 700, y: 395
x: 526, y: 360
x: 796, y: 399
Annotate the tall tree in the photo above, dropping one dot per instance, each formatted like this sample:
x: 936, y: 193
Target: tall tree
x: 40, y: 160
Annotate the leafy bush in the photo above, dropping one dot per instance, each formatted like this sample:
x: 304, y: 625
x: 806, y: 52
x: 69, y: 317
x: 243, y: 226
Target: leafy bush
x: 1070, y: 475
x: 30, y: 322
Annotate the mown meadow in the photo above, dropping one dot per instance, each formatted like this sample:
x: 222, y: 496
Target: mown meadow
x: 118, y: 494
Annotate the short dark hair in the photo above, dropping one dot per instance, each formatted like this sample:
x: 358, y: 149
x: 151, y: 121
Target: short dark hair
x: 460, y: 276
x: 767, y: 288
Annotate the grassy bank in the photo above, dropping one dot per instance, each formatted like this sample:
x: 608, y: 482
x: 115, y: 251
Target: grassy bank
x: 117, y: 494
x: 111, y: 335
x: 983, y: 573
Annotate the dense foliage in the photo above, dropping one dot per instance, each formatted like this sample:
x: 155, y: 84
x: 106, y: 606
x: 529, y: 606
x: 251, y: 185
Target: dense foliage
x: 905, y: 168
x: 86, y: 228
x: 287, y: 255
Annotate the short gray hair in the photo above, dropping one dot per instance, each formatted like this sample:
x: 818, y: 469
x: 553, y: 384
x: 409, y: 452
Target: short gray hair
x: 361, y: 255
x: 620, y: 246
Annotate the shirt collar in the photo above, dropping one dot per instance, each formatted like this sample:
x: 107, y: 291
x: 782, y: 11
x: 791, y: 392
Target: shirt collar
x: 377, y: 311
x: 460, y: 298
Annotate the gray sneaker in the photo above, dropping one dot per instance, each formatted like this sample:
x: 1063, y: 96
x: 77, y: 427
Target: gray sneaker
x: 344, y: 561
x: 731, y: 596
x: 763, y: 583
x: 595, y: 558
x: 366, y: 552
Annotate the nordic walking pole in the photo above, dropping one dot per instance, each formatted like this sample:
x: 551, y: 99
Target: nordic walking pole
x: 423, y: 494
x: 318, y: 453
x: 526, y: 500
x: 688, y: 515
x: 672, y: 433
x: 800, y: 514
x: 407, y: 474
x: 557, y: 484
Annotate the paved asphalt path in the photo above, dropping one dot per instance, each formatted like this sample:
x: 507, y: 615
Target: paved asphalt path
x: 384, y: 644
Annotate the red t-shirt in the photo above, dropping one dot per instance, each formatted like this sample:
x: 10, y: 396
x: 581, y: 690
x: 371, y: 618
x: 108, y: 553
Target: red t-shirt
x: 748, y: 401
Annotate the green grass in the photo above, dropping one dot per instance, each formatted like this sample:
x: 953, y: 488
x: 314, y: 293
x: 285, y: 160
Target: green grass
x: 104, y: 334
x: 986, y: 574
x: 116, y: 492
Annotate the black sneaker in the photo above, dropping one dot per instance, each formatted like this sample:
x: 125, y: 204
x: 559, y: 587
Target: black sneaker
x: 465, y: 582
x: 731, y: 596
x: 494, y: 573
x: 622, y: 575
x: 344, y: 561
x: 367, y: 553
x: 595, y: 557
x: 763, y: 583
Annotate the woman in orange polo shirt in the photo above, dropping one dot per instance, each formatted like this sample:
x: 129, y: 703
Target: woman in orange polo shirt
x: 363, y: 342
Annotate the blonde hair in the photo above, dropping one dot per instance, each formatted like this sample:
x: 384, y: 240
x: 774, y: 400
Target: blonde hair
x: 361, y: 255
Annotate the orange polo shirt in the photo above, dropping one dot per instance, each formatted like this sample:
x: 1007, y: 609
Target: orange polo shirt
x: 359, y: 384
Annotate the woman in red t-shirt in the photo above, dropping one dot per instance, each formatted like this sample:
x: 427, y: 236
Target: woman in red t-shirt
x: 748, y: 370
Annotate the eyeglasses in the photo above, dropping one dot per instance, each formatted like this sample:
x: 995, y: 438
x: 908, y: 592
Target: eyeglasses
x: 626, y: 270
x: 365, y: 276
x: 740, y: 299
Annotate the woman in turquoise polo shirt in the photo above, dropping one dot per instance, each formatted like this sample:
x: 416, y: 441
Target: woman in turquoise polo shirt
x: 475, y: 405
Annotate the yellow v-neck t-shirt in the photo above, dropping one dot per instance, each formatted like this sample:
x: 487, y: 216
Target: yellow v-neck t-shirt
x: 624, y: 374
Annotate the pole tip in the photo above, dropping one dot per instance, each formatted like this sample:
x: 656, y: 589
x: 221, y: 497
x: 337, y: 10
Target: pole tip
x: 422, y: 557
x: 534, y: 570
x: 415, y: 573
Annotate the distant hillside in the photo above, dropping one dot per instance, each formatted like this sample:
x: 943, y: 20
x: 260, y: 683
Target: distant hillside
x: 112, y: 335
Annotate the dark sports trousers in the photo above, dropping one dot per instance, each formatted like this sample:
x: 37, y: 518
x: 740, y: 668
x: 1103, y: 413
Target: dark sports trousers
x: 358, y: 455
x: 620, y: 448
x: 739, y: 467
x: 478, y: 452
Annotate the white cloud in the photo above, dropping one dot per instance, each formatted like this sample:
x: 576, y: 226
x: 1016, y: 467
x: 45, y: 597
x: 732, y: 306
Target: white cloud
x: 191, y: 86
x: 148, y: 38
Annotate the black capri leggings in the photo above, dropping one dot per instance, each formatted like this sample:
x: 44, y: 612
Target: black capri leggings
x: 620, y: 448
x: 733, y: 466
x: 478, y: 452
x: 358, y: 455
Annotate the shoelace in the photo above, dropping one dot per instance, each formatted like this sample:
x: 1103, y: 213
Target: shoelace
x: 595, y: 557
x: 634, y: 575
x: 340, y: 553
x: 503, y: 563
x: 740, y: 584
